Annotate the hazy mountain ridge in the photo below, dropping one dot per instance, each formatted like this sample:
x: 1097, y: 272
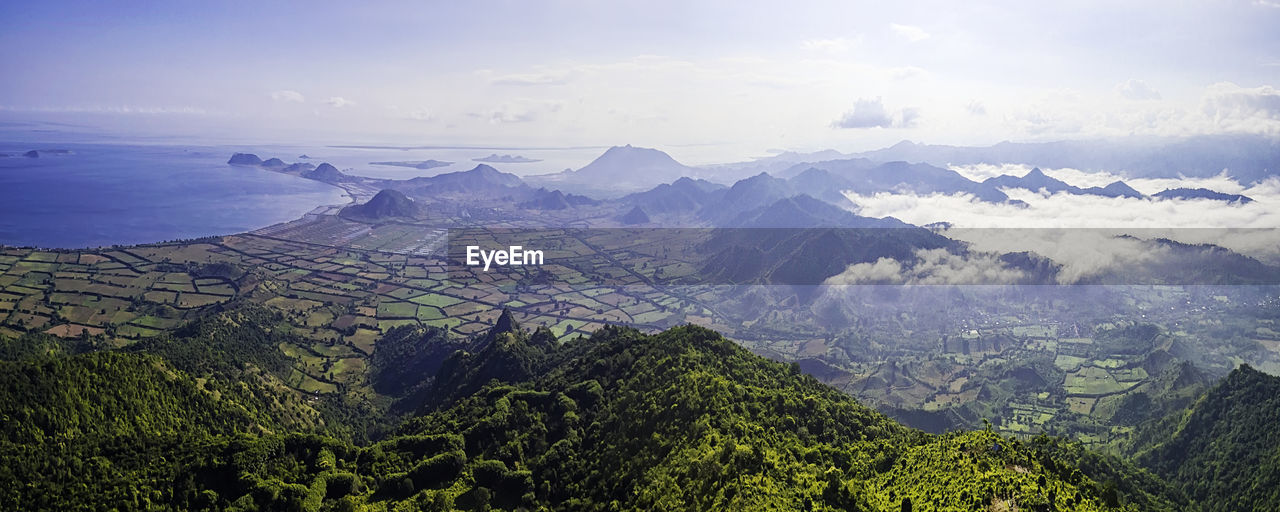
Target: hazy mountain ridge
x: 1250, y: 158
x: 682, y: 195
x: 1202, y: 193
x: 482, y: 180
x: 867, y: 177
x: 1036, y: 180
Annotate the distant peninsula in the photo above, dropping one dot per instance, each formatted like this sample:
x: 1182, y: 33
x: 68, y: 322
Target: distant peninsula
x: 505, y: 159
x: 417, y: 164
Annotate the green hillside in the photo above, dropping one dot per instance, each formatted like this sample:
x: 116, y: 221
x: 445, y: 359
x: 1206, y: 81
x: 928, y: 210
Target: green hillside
x: 1225, y: 449
x: 681, y: 420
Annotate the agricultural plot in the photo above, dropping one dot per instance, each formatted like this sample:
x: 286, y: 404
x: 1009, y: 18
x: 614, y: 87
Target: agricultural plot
x: 1093, y: 381
x: 341, y: 285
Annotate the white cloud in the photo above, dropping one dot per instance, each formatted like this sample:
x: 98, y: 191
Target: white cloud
x: 976, y: 108
x: 1076, y: 211
x: 421, y: 114
x: 909, y: 32
x: 1221, y: 108
x: 1137, y: 90
x: 1252, y: 229
x: 831, y: 45
x: 519, y: 111
x: 907, y: 73
x: 1083, y: 253
x: 338, y: 102
x: 1230, y: 106
x: 508, y: 116
x: 289, y: 96
x: 883, y: 271
x: 931, y: 266
x: 868, y: 113
x: 532, y: 79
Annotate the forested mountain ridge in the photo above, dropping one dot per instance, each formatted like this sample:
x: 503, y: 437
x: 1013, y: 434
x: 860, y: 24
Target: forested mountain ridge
x: 621, y: 420
x: 1225, y: 449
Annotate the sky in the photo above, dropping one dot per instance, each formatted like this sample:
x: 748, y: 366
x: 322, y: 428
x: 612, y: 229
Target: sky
x: 706, y: 81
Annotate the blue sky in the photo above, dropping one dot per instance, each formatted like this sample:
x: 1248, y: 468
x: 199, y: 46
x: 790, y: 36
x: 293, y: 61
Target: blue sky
x: 740, y: 77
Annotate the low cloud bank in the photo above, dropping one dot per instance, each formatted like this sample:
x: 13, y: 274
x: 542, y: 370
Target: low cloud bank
x: 1051, y: 225
x: 931, y: 266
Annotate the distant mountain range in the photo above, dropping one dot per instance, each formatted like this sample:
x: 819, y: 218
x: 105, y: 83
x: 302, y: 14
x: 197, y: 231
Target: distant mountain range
x: 825, y: 181
x: 1249, y: 158
x: 799, y: 195
x: 1202, y: 193
x: 481, y: 180
x: 1037, y: 180
x: 506, y: 159
x: 680, y: 196
x: 722, y: 206
x: 803, y: 211
x: 775, y: 164
x: 416, y: 164
x: 544, y: 199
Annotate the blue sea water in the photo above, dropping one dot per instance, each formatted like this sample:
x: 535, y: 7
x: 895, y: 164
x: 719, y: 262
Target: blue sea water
x: 103, y: 194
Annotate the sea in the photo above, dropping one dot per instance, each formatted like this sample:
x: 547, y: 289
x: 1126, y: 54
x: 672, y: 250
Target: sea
x: 98, y: 195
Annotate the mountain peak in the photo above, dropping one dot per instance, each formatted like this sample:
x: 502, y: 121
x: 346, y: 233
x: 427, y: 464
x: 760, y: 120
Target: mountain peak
x: 635, y: 151
x: 637, y: 215
x: 324, y: 172
x: 386, y: 203
x: 1035, y: 172
x: 627, y: 167
x: 506, y: 323
x: 243, y: 159
x: 1121, y: 189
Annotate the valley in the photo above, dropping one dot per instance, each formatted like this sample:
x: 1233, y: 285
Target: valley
x: 1099, y: 363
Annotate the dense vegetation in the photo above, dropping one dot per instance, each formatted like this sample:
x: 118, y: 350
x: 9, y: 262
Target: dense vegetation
x: 1224, y: 451
x: 680, y: 420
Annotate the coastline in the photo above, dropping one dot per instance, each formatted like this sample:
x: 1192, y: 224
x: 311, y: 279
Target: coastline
x: 352, y: 193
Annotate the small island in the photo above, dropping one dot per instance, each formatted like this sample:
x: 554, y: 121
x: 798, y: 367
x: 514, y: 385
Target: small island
x: 249, y: 159
x: 505, y: 159
x: 37, y: 153
x: 418, y: 164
